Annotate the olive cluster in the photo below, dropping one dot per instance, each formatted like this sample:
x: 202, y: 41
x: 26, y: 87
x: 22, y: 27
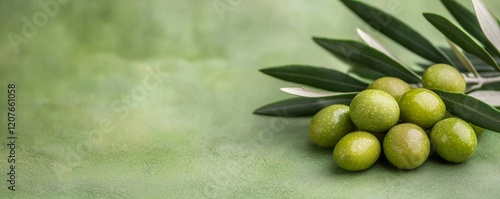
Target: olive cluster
x: 403, y: 123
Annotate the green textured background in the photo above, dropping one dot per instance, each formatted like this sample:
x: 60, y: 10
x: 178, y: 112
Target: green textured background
x: 193, y: 133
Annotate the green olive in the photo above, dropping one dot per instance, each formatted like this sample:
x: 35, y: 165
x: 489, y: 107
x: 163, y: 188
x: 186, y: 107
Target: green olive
x: 443, y: 77
x: 356, y: 151
x: 422, y: 107
x: 374, y: 110
x: 330, y: 124
x: 454, y: 140
x: 392, y: 85
x: 406, y: 146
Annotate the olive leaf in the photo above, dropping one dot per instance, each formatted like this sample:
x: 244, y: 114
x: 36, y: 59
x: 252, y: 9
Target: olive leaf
x: 372, y: 42
x: 372, y: 60
x: 492, y: 86
x: 306, y: 92
x: 364, y: 73
x: 471, y: 110
x: 469, y: 22
x: 299, y: 107
x: 488, y: 23
x: 364, y: 55
x: 324, y: 78
x: 397, y: 31
x: 478, y: 64
x: 459, y: 37
x: 463, y: 59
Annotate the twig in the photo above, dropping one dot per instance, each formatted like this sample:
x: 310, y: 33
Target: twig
x: 480, y: 81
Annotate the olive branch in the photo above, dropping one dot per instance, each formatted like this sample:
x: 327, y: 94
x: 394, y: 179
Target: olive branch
x: 474, y: 50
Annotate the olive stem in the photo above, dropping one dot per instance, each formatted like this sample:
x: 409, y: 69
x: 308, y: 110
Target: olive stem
x: 482, y: 80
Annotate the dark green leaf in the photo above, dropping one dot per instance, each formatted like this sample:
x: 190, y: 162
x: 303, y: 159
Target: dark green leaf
x: 459, y: 37
x: 365, y: 72
x: 463, y: 59
x: 491, y: 86
x: 477, y: 62
x: 299, y: 107
x: 318, y: 77
x: 366, y: 56
x: 468, y: 21
x: 471, y: 110
x: 397, y: 31
x: 480, y: 65
x: 488, y: 23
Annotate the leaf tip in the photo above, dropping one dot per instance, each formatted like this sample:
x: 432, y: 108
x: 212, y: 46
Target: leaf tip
x: 264, y: 111
x: 258, y: 112
x: 269, y: 70
x: 264, y: 70
x: 428, y: 14
x: 316, y: 39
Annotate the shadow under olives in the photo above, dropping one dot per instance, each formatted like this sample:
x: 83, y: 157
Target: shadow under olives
x: 317, y: 150
x: 384, y: 163
x: 336, y: 170
x: 437, y: 159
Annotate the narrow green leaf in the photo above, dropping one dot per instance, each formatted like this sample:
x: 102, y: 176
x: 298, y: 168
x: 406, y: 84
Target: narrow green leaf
x: 397, y: 31
x: 468, y: 21
x: 460, y: 38
x: 491, y: 86
x: 318, y: 77
x: 364, y: 55
x: 310, y: 93
x: 471, y: 110
x: 463, y: 59
x: 299, y: 107
x: 364, y: 73
x: 480, y: 64
x: 476, y: 62
x: 372, y: 42
x: 488, y: 22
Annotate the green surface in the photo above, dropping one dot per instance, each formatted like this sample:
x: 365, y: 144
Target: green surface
x: 192, y: 134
